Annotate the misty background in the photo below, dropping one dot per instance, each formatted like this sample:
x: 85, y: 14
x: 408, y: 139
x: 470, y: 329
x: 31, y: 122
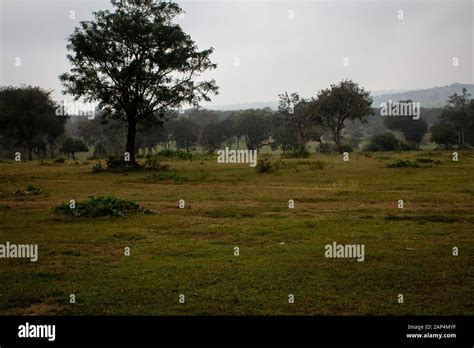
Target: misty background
x: 279, y: 45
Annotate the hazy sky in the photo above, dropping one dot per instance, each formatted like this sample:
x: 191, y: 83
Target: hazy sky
x: 280, y: 45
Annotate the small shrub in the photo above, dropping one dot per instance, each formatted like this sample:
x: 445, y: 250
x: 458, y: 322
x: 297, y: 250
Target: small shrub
x: 101, y: 206
x: 178, y: 154
x: 166, y: 153
x: 399, y: 163
x: 119, y: 165
x: 184, y: 155
x: 152, y: 163
x: 383, y: 142
x: 298, y: 152
x: 266, y: 165
x: 427, y: 160
x: 419, y: 162
x: 3, y: 206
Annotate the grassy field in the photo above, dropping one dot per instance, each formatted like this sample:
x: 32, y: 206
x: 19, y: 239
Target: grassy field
x: 191, y: 251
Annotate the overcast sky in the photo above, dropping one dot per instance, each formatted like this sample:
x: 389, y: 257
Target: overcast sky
x: 280, y: 45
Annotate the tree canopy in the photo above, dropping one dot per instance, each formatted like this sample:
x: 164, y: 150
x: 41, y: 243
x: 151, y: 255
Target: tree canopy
x: 136, y: 63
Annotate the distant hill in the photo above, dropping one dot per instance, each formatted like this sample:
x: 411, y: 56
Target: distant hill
x: 431, y: 97
x: 256, y: 105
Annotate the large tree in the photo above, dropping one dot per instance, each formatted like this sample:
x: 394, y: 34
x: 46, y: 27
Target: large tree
x: 254, y: 126
x: 341, y: 102
x: 294, y: 116
x: 459, y: 113
x: 413, y: 130
x: 136, y: 63
x: 27, y: 116
x: 184, y: 132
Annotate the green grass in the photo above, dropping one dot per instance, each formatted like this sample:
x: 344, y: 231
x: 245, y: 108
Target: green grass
x: 191, y: 250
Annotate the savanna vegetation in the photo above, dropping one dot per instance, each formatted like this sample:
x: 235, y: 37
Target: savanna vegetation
x: 130, y: 208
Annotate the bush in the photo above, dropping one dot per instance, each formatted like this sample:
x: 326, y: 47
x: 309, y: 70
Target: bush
x: 383, y: 142
x: 152, y: 163
x: 298, y: 152
x: 419, y: 162
x: 118, y: 164
x: 399, y: 163
x: 182, y: 155
x: 101, y: 206
x: 266, y: 165
x: 427, y: 160
x: 444, y: 134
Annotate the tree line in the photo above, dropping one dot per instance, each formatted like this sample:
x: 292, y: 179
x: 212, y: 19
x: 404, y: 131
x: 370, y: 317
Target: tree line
x: 149, y: 67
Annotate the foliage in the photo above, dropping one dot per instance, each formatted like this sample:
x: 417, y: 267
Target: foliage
x: 459, y: 114
x: 118, y: 164
x: 175, y: 154
x: 152, y: 163
x: 444, y: 134
x: 266, y: 165
x: 72, y: 145
x: 292, y: 124
x: 344, y: 101
x: 383, y: 142
x: 254, y: 127
x: 413, y: 130
x: 297, y: 152
x: 146, y: 65
x: 417, y: 163
x: 101, y: 206
x: 27, y: 117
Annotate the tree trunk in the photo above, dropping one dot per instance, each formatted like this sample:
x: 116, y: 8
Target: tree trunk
x: 337, y: 140
x: 130, y: 147
x: 301, y: 137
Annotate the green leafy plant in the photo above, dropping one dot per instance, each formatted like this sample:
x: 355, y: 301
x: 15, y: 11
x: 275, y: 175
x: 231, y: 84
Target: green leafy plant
x: 266, y: 165
x: 152, y: 163
x: 101, y: 206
